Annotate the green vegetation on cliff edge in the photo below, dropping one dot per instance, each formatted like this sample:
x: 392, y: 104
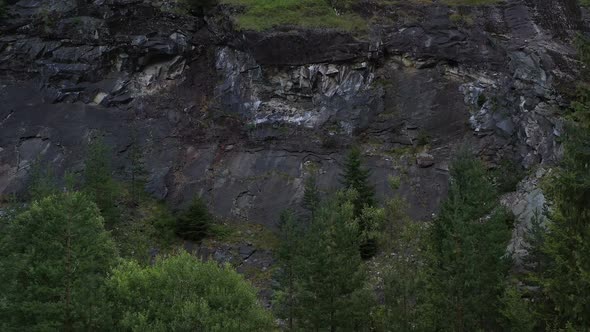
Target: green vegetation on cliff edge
x: 263, y: 15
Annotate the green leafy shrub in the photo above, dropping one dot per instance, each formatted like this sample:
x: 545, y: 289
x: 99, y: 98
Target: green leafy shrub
x: 182, y: 293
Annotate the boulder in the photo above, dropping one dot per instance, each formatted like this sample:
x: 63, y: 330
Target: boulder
x: 424, y: 159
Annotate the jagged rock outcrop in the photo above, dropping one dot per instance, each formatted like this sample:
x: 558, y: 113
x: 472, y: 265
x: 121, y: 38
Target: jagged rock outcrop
x: 244, y: 117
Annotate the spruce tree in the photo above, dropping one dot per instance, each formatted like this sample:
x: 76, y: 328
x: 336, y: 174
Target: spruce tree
x: 331, y: 293
x: 517, y: 311
x: 54, y: 259
x: 287, y: 258
x: 99, y: 184
x: 42, y: 182
x: 466, y: 253
x: 137, y: 172
x: 403, y: 275
x: 311, y: 195
x: 565, y: 277
x: 530, y: 279
x: 195, y: 222
x: 356, y: 177
x: 557, y: 282
x: 567, y: 244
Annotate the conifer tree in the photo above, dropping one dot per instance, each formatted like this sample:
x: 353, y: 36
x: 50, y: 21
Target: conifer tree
x: 331, y: 293
x: 42, y: 181
x: 356, y: 177
x: 466, y: 253
x: 403, y: 277
x: 287, y: 258
x: 54, y: 259
x: 567, y: 244
x: 530, y: 279
x: 99, y: 184
x: 311, y: 195
x: 137, y: 172
x: 195, y: 222
x: 558, y: 253
x: 517, y: 312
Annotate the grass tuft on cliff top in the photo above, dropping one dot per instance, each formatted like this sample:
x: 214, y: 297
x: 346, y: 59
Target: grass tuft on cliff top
x: 471, y: 2
x: 262, y: 15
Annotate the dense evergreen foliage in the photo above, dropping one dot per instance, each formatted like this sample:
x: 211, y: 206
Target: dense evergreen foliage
x: 137, y: 172
x: 55, y: 257
x: 311, y: 195
x: 98, y: 181
x: 558, y: 261
x: 404, y: 273
x: 330, y: 286
x: 288, y: 257
x: 356, y: 177
x: 323, y: 279
x: 466, y: 263
x: 42, y: 182
x: 566, y: 275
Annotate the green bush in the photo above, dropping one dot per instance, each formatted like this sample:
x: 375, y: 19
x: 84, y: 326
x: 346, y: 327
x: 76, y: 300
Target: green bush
x: 194, y: 223
x: 181, y: 293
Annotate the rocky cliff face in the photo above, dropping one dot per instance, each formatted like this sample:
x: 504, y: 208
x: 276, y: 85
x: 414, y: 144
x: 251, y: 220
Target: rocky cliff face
x: 243, y: 117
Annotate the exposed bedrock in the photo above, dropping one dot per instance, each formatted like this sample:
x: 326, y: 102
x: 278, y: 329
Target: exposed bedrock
x: 243, y: 117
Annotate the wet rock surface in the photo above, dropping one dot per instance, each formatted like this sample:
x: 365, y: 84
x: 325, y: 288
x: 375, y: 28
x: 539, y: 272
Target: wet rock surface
x: 528, y: 204
x: 243, y: 117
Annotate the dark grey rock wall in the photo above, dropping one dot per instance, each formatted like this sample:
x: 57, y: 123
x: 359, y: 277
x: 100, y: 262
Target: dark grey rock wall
x: 243, y: 118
